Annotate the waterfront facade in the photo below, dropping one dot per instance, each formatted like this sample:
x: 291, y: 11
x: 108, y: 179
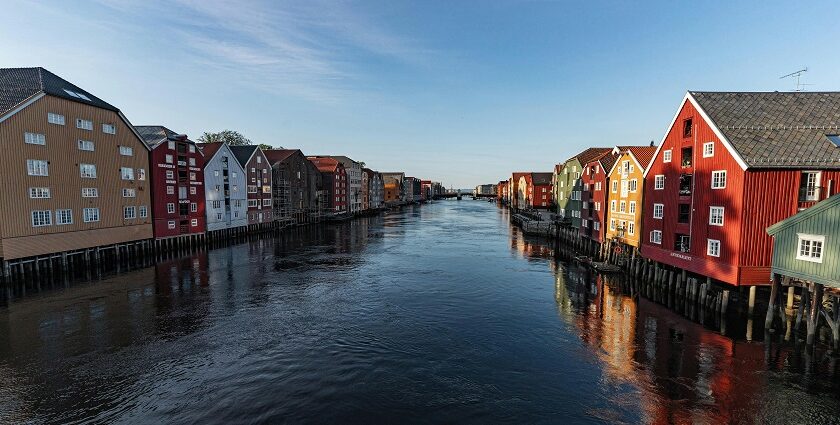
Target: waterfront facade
x: 376, y: 189
x: 626, y: 186
x: 393, y: 184
x: 515, y: 179
x: 569, y: 194
x: 259, y: 182
x: 296, y: 183
x: 176, y: 173
x: 74, y: 171
x: 334, y: 184
x: 730, y: 165
x: 354, y: 183
x: 408, y: 190
x: 594, y: 196
x: 224, y: 187
x: 541, y: 190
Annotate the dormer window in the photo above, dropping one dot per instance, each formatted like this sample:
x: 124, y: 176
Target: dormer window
x: 687, y: 128
x: 834, y: 138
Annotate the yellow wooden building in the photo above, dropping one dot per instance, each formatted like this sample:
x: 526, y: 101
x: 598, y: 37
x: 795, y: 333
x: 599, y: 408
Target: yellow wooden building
x: 624, y: 210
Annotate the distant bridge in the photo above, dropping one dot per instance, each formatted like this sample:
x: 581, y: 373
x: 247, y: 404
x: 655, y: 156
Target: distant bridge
x: 459, y: 195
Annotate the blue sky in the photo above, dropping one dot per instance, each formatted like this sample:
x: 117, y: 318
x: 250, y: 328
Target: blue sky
x: 456, y: 91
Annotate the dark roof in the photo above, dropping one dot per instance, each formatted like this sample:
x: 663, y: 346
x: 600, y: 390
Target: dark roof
x: 279, y: 155
x: 155, y: 134
x: 607, y: 161
x: 777, y: 129
x: 590, y: 155
x: 243, y: 153
x: 19, y: 84
x: 541, y: 179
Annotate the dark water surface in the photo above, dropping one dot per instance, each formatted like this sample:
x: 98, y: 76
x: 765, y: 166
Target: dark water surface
x: 440, y: 313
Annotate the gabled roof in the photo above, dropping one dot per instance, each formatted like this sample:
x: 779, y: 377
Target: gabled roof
x: 154, y: 135
x: 243, y: 153
x: 279, y: 155
x: 19, y: 84
x: 325, y: 164
x: 209, y: 150
x: 541, y: 179
x: 775, y: 129
x: 818, y: 209
x: 643, y: 154
x: 590, y: 154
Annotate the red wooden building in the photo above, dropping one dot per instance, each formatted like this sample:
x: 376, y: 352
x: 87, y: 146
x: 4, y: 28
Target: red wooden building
x: 177, y: 183
x: 334, y: 178
x: 594, y: 194
x: 729, y: 166
x: 539, y: 191
x: 258, y: 175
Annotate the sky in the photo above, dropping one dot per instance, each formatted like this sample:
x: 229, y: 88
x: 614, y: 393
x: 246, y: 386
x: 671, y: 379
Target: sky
x: 462, y: 92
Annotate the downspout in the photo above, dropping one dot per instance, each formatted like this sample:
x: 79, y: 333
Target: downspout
x: 693, y: 184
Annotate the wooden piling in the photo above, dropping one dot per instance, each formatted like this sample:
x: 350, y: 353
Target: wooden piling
x: 771, y: 305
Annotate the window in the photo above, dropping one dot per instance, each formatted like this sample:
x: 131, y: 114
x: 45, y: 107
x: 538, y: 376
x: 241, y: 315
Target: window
x: 126, y: 151
x: 810, y: 247
x: 170, y: 208
x: 192, y: 150
x: 656, y: 236
x: 84, y: 124
x: 266, y: 202
x: 666, y: 156
x: 708, y: 149
x: 217, y: 204
x: 192, y: 190
x: 90, y: 215
x: 631, y: 228
x: 716, y: 216
x: 86, y: 145
x: 809, y: 186
x: 192, y: 162
x: 170, y: 145
x: 596, y: 226
x: 129, y: 213
x: 141, y: 174
x: 170, y: 174
x: 634, y: 185
x: 192, y: 176
x: 612, y: 224
x: 254, y: 203
x: 233, y: 175
x: 658, y: 211
x: 194, y: 222
x: 684, y: 213
x: 37, y: 167
x: 170, y: 224
x: 632, y: 207
x: 63, y: 217
x: 128, y: 193
x: 109, y: 129
x: 39, y: 192
x: 53, y: 118
x: 216, y: 173
x: 41, y: 218
x: 259, y: 160
x: 90, y: 192
x: 193, y: 207
x: 34, y: 138
x: 622, y: 206
x: 170, y: 190
x: 687, y: 128
x: 127, y: 173
x: 719, y: 179
x: 144, y: 212
x: 169, y: 158
x: 713, y: 248
x: 87, y: 171
x: 659, y: 182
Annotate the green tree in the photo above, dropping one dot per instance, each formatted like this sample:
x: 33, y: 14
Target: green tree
x: 263, y: 146
x: 231, y: 137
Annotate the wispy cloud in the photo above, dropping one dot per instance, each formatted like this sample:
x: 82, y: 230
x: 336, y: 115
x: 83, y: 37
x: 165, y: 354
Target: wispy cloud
x: 310, y: 48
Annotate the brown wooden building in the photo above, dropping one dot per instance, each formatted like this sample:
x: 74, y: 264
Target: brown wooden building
x: 74, y: 169
x: 297, y: 183
x: 258, y: 175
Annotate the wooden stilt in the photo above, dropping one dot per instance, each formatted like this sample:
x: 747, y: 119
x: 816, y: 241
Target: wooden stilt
x: 771, y: 305
x: 751, y: 302
x: 814, y: 317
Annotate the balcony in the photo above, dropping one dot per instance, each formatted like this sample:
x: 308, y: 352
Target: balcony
x: 685, y: 184
x: 682, y: 243
x: 686, y: 159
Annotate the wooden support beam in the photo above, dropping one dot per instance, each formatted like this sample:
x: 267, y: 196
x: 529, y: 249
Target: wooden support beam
x: 814, y: 317
x: 771, y: 305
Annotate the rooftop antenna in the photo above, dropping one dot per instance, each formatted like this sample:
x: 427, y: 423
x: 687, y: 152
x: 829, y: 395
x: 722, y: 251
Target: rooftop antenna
x: 798, y: 74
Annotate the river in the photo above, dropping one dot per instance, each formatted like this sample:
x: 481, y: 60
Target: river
x: 436, y: 314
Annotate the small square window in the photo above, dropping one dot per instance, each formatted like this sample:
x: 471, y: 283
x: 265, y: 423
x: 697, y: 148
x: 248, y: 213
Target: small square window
x: 708, y: 149
x: 713, y: 248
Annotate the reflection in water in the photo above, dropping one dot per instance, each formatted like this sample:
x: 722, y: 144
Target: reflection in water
x: 443, y: 313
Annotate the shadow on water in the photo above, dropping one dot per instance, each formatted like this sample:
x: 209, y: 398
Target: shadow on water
x: 440, y: 313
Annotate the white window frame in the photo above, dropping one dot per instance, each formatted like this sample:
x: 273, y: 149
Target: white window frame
x: 713, y: 247
x: 64, y: 213
x: 170, y: 224
x: 143, y: 211
x: 86, y: 145
x: 129, y: 193
x: 632, y: 207
x: 90, y: 215
x: 129, y: 213
x: 39, y: 193
x: 127, y: 173
x: 708, y: 149
x: 109, y: 128
x: 656, y: 237
x: 41, y: 218
x: 659, y: 182
x: 126, y: 151
x: 84, y: 124
x: 721, y: 174
x: 660, y: 208
x: 716, y: 212
x: 812, y: 241
x: 34, y: 138
x: 54, y: 118
x: 88, y: 175
x: 90, y: 192
x: 667, y: 155
x: 170, y: 208
x: 631, y: 228
x: 37, y: 167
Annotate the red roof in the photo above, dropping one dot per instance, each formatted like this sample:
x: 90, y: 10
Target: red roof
x: 325, y: 164
x: 643, y: 154
x: 209, y: 149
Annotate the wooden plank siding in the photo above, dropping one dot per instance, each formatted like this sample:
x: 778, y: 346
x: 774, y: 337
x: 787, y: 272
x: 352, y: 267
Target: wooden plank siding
x: 19, y: 237
x: 616, y: 175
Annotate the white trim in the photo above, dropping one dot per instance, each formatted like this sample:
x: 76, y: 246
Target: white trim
x: 811, y: 238
x: 21, y: 106
x: 689, y: 98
